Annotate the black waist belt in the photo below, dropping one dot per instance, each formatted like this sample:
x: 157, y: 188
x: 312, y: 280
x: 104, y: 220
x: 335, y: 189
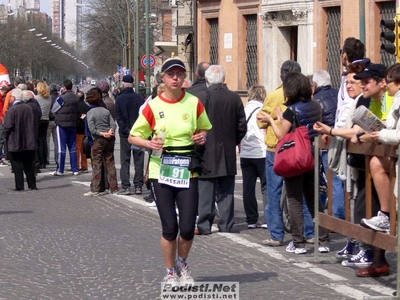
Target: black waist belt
x: 178, y: 148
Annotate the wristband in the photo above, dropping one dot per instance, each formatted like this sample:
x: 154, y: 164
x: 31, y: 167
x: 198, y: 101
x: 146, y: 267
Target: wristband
x: 330, y: 131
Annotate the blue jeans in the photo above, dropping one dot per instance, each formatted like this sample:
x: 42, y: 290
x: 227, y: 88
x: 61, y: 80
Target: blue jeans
x: 66, y: 137
x: 273, y: 211
x: 338, y: 204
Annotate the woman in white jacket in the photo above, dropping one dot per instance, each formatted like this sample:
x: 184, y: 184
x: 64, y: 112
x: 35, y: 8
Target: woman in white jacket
x: 252, y: 156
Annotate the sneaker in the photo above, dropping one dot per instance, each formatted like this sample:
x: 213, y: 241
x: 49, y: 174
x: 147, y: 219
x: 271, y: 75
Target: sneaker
x: 272, y: 243
x: 348, y: 251
x: 379, y: 223
x: 264, y: 226
x: 362, y: 259
x: 75, y: 173
x: 56, y: 173
x: 124, y: 192
x: 323, y: 249
x: 3, y: 163
x: 170, y: 281
x: 252, y: 226
x: 184, y: 276
x: 138, y: 190
x: 292, y: 249
x: 83, y: 171
x: 91, y: 194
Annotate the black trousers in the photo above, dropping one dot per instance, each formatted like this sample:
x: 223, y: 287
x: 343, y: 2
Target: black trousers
x: 23, y: 162
x: 42, y: 142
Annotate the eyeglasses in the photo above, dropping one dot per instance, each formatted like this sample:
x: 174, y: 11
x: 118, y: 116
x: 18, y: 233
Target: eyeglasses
x: 179, y: 75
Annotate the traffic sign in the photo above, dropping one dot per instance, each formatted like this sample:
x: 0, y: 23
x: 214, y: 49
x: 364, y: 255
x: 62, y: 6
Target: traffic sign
x: 152, y: 61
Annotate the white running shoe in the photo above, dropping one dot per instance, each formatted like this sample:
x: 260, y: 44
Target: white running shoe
x: 170, y: 281
x: 184, y: 276
x: 379, y: 223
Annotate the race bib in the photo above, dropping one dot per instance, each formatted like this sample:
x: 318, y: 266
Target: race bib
x: 174, y: 171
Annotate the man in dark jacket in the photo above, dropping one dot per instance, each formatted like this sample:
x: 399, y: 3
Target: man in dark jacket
x: 325, y: 95
x: 19, y: 128
x: 65, y: 110
x: 127, y: 111
x: 219, y: 153
x: 200, y: 85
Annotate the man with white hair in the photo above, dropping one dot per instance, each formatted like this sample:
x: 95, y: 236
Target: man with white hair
x: 21, y: 143
x: 219, y: 153
x: 327, y: 97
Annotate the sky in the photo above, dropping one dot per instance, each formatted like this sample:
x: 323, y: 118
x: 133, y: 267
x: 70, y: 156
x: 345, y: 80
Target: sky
x: 44, y: 5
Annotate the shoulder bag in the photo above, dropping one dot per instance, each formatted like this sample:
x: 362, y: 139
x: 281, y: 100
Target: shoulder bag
x: 293, y: 155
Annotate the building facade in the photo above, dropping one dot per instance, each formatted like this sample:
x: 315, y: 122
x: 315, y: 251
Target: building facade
x: 252, y: 39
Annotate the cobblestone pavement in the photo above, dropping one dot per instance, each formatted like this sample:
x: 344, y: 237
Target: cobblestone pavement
x: 57, y: 244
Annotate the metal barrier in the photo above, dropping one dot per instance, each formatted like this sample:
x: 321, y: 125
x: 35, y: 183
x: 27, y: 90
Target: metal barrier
x: 389, y: 242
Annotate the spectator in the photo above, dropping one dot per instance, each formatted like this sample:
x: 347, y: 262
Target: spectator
x: 326, y: 96
x: 273, y: 211
x: 220, y: 153
x: 80, y: 133
x: 21, y: 143
x: 65, y: 109
x: 252, y: 156
x: 51, y: 130
x: 127, y: 111
x: 102, y: 130
x: 297, y: 92
x: 44, y: 100
x: 200, y: 85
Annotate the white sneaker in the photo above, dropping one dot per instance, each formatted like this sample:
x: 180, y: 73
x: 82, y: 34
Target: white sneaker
x: 323, y: 249
x: 292, y: 249
x: 56, y: 173
x: 170, y: 281
x: 91, y: 194
x: 75, y: 173
x: 184, y: 276
x: 252, y: 226
x: 264, y: 226
x: 379, y: 223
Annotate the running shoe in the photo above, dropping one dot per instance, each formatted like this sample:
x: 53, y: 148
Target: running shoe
x: 379, y: 223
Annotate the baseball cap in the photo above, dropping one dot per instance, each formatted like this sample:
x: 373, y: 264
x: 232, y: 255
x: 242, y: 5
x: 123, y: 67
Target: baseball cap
x: 372, y: 70
x: 172, y: 62
x: 127, y: 79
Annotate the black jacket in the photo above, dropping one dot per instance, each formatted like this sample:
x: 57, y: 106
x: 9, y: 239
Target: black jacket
x: 327, y: 97
x: 20, y: 128
x: 67, y: 115
x: 80, y: 123
x: 226, y: 113
x: 198, y: 87
x: 127, y: 110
